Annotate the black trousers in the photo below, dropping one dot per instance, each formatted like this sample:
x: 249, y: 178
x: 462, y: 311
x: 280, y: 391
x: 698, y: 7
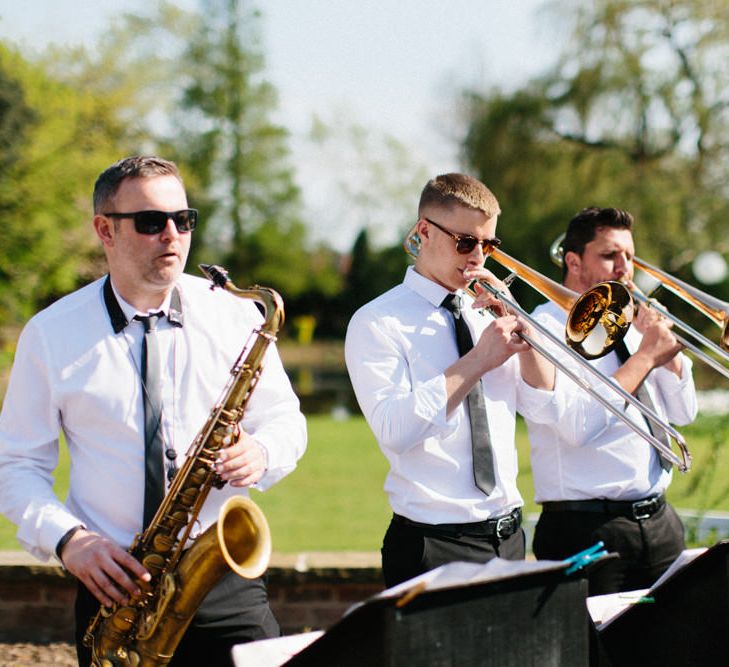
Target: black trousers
x: 646, y: 547
x: 235, y: 611
x: 408, y: 551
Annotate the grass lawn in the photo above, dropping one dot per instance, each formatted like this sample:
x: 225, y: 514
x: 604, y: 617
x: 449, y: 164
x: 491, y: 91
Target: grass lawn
x: 334, y: 500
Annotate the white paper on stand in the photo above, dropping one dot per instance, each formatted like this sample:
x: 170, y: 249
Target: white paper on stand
x: 272, y: 652
x: 604, y: 609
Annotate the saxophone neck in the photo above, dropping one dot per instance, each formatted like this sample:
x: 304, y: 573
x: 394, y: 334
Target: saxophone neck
x: 269, y: 299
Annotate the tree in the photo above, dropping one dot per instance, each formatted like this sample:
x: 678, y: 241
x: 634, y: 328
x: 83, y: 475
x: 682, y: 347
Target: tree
x: 634, y: 115
x: 365, y: 178
x: 203, y: 102
x: 226, y: 135
x: 55, y: 141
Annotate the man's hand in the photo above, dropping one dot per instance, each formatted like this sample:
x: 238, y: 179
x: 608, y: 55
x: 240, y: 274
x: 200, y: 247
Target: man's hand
x: 658, y: 344
x: 243, y: 463
x: 103, y: 567
x: 535, y: 369
x: 484, y: 298
x: 499, y: 341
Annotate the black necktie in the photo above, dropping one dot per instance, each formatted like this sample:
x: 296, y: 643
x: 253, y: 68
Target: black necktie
x: 645, y: 398
x: 154, y: 486
x: 483, y: 456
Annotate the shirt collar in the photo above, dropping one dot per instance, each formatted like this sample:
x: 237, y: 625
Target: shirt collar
x: 426, y: 288
x: 121, y: 312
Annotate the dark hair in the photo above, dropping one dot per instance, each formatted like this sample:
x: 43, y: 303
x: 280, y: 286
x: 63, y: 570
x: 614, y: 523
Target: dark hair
x: 582, y: 228
x: 136, y: 166
x: 449, y: 190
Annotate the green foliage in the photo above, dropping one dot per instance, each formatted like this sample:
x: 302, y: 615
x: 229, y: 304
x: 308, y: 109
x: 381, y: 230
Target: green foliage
x: 633, y: 115
x: 15, y: 116
x: 371, y: 272
x: 57, y: 139
x: 375, y: 190
x: 201, y: 101
x: 224, y: 134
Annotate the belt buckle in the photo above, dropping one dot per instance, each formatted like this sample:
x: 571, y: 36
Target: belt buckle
x: 504, y: 526
x: 644, y: 509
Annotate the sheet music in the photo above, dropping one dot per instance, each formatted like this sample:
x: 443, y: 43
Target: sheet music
x: 465, y: 574
x: 272, y: 652
x: 604, y: 609
x: 683, y: 559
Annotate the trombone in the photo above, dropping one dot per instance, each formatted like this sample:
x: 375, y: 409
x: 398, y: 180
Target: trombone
x: 602, y: 313
x: 715, y: 309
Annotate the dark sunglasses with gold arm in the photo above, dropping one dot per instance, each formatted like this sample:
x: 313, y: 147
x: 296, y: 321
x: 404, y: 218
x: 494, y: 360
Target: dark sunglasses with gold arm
x: 465, y: 243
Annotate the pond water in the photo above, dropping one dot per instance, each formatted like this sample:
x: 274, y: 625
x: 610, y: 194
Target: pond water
x: 324, y: 390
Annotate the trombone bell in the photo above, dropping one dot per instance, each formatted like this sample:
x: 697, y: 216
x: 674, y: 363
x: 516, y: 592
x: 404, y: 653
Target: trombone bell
x: 599, y: 319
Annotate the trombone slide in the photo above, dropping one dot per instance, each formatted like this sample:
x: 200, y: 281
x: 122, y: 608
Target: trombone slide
x: 682, y: 461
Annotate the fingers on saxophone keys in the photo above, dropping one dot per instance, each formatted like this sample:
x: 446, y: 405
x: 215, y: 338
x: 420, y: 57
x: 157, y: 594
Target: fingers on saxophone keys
x: 104, y: 589
x: 225, y: 435
x: 98, y: 593
x: 121, y: 587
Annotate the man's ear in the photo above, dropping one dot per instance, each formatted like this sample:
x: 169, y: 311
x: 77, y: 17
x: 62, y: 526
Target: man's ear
x: 423, y: 228
x: 104, y: 228
x: 572, y: 262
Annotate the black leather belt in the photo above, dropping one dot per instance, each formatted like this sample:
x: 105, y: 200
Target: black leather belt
x: 500, y: 527
x: 632, y: 509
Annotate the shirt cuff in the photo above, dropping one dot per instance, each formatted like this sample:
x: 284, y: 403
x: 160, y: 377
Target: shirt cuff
x: 539, y: 404
x: 43, y: 524
x: 671, y: 382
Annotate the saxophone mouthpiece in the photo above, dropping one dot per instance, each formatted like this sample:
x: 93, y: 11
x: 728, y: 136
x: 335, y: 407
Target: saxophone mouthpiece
x: 217, y: 274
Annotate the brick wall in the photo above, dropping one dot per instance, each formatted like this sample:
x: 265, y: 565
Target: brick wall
x: 307, y: 592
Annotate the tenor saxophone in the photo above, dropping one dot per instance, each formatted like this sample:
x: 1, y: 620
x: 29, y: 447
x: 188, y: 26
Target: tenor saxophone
x: 147, y: 630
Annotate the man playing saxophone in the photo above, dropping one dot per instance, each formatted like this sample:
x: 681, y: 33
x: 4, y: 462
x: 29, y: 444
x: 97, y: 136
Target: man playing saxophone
x: 132, y: 362
x: 597, y: 480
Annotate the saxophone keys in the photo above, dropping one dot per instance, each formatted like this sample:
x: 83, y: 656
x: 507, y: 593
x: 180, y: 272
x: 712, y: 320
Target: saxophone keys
x: 124, y: 619
x: 163, y: 543
x: 153, y: 563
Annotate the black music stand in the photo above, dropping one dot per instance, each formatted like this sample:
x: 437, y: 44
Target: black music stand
x: 686, y: 623
x: 501, y: 614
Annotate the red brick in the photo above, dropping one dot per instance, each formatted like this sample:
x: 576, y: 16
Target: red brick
x: 356, y: 592
x: 27, y: 591
x: 309, y: 593
x: 36, y: 602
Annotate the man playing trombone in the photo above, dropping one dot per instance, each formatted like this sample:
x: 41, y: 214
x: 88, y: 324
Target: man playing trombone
x: 594, y: 476
x: 444, y: 415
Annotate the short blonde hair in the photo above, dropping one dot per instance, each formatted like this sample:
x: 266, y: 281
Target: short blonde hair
x: 449, y: 190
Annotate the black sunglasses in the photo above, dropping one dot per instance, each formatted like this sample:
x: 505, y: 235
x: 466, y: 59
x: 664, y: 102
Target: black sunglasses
x: 466, y: 243
x: 153, y: 222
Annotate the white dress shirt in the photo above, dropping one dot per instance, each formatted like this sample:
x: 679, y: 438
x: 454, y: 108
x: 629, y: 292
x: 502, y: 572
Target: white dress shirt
x: 73, y: 374
x: 397, y: 349
x: 591, y: 453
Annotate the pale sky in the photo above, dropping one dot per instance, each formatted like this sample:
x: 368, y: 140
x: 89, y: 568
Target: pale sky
x: 392, y: 66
